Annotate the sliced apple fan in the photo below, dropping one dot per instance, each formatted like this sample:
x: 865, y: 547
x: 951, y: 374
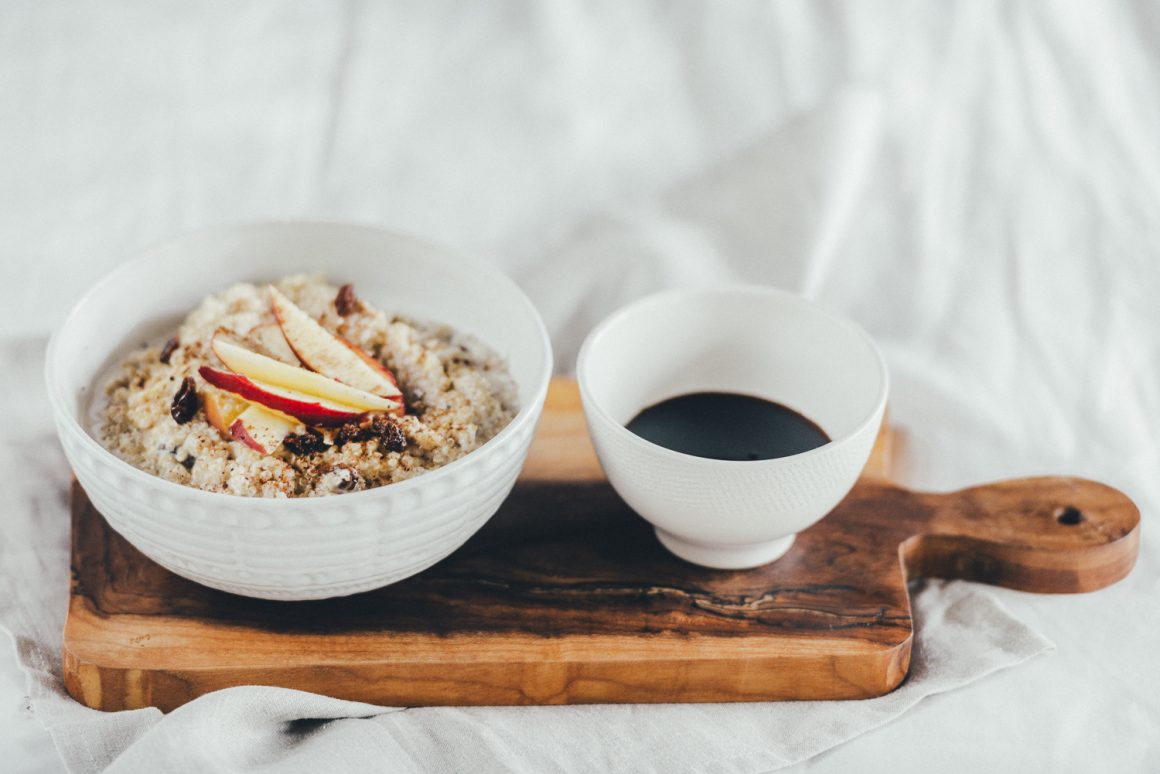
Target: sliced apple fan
x: 262, y: 397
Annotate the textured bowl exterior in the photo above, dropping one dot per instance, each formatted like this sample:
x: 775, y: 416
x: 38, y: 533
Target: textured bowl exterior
x: 744, y: 339
x: 342, y: 545
x: 300, y: 548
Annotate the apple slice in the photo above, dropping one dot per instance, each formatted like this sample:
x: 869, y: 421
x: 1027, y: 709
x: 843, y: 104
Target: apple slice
x: 269, y: 337
x: 322, y: 351
x: 374, y: 363
x: 270, y: 371
x: 307, y: 408
x: 221, y: 408
x: 261, y: 429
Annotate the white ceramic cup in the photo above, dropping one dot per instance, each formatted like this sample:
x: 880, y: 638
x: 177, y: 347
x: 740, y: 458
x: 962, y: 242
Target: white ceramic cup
x: 752, y: 340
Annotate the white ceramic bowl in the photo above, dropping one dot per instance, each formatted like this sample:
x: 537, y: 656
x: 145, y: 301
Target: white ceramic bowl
x: 307, y: 548
x: 752, y: 340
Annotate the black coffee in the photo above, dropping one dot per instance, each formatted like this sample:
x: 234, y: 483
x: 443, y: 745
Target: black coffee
x: 727, y: 426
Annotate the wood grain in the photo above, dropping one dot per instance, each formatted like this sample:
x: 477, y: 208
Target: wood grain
x: 565, y: 596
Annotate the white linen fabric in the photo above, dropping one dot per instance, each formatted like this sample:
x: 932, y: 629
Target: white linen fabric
x: 963, y: 636
x: 975, y: 182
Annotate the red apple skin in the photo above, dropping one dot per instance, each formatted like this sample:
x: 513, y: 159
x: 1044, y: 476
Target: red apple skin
x: 308, y: 413
x: 239, y: 433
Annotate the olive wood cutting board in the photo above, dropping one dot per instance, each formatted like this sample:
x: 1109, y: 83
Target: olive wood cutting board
x: 566, y: 596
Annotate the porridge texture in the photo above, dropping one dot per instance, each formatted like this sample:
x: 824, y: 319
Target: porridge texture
x: 457, y: 395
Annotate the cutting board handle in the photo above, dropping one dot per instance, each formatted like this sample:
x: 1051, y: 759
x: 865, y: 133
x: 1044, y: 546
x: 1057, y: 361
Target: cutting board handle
x: 1049, y: 535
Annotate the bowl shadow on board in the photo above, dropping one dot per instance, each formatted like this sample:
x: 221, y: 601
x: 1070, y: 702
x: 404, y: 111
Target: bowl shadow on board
x: 558, y: 558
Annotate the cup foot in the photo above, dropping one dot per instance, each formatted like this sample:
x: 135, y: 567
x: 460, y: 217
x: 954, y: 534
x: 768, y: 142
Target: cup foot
x: 736, y: 557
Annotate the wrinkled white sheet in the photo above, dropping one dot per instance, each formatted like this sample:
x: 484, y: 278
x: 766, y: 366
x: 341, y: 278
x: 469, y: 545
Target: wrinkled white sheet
x: 985, y: 203
x: 963, y: 634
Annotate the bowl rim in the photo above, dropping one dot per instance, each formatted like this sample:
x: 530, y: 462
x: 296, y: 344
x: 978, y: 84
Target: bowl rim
x: 529, y: 410
x: 664, y: 297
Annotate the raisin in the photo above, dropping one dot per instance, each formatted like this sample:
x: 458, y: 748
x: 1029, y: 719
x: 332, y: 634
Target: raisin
x: 391, y: 438
x: 373, y: 427
x: 187, y: 463
x: 185, y: 402
x: 346, y: 302
x: 168, y: 350
x: 348, y: 432
x: 307, y: 443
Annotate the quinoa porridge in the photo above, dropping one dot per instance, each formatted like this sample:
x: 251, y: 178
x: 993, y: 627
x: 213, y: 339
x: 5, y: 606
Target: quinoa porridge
x: 303, y: 389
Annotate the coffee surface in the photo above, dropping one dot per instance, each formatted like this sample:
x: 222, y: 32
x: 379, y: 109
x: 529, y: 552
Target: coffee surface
x: 727, y: 426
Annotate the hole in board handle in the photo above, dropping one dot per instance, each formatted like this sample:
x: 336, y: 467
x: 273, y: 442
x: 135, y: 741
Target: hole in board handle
x: 1069, y: 516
